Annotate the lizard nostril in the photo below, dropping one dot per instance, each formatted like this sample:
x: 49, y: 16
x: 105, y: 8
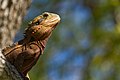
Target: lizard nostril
x: 45, y: 15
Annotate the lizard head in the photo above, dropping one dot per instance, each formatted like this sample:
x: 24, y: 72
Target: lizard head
x: 42, y: 26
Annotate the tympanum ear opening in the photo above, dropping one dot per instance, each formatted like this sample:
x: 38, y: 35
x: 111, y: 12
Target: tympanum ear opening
x: 29, y: 24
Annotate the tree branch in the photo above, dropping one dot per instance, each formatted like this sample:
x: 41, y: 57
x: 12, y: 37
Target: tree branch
x: 8, y: 71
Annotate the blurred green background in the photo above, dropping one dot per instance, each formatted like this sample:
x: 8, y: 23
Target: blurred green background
x: 86, y: 43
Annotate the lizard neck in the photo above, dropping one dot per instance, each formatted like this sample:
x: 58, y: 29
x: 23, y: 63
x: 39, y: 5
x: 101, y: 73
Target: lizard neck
x: 40, y: 43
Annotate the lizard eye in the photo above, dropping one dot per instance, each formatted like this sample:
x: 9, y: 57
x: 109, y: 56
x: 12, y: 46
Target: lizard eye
x: 38, y: 22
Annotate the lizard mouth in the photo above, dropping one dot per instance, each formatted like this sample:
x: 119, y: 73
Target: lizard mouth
x: 48, y: 31
x: 55, y: 25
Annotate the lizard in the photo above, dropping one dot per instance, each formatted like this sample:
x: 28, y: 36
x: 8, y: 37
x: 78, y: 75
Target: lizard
x: 25, y: 53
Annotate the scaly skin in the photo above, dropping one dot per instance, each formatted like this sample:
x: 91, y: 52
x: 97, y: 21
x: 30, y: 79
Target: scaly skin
x: 25, y: 53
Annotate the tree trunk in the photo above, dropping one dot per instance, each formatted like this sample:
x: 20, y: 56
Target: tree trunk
x: 11, y: 16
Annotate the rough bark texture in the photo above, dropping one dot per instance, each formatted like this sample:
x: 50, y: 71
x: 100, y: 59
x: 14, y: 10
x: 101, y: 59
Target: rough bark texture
x: 7, y: 71
x: 11, y: 15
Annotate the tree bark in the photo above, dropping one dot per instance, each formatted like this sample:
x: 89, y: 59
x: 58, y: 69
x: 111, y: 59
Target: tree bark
x: 11, y: 16
x: 7, y: 71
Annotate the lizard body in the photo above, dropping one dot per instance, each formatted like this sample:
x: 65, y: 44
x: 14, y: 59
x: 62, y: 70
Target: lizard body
x: 25, y: 53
